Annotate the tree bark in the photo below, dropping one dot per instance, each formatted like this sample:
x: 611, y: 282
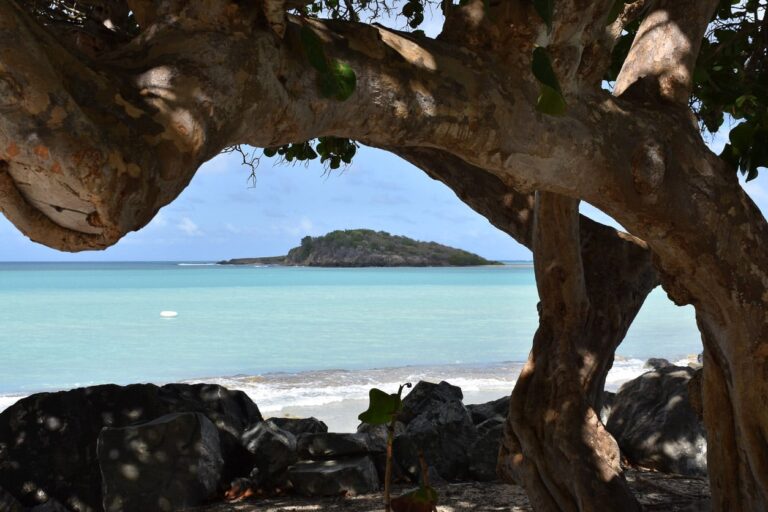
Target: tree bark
x: 554, y: 443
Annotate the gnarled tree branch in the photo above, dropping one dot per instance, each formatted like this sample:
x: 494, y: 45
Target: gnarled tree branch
x: 665, y: 49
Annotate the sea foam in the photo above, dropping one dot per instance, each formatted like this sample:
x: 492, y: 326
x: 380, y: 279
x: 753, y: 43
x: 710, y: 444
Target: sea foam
x: 273, y: 392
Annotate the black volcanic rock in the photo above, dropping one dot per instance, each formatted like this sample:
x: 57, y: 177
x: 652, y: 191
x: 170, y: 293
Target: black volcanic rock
x: 298, y: 426
x: 334, y: 478
x: 171, y: 463
x: 48, y: 440
x: 438, y: 424
x: 653, y: 421
x: 274, y: 450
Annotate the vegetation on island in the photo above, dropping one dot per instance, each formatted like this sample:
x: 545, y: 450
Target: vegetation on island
x: 368, y: 248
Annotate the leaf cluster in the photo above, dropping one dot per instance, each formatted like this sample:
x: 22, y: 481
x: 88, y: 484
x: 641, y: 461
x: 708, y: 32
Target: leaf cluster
x: 731, y: 82
x: 335, y: 78
x: 332, y: 151
x: 352, y: 10
x: 413, y: 11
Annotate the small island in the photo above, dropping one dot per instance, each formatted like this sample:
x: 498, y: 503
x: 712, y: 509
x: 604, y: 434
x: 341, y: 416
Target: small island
x: 368, y: 248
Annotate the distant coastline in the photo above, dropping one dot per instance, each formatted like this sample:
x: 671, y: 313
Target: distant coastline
x: 368, y: 248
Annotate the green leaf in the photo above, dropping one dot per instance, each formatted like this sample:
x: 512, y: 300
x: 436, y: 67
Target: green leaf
x: 545, y: 9
x: 541, y: 65
x: 338, y: 81
x: 423, y: 499
x: 741, y: 137
x: 382, y: 408
x: 551, y: 102
x: 313, y: 47
x: 417, y: 20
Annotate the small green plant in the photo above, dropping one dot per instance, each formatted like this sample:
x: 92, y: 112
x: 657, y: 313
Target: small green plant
x: 384, y: 409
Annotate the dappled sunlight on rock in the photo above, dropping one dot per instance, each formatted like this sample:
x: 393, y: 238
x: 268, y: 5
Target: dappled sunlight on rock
x: 655, y: 425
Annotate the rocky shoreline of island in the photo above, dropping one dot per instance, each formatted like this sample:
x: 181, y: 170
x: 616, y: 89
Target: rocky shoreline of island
x: 367, y: 248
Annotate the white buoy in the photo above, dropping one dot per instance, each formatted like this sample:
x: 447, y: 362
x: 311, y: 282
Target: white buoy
x: 169, y: 314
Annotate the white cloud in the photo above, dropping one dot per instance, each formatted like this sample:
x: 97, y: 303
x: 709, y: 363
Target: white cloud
x: 189, y: 227
x: 232, y: 229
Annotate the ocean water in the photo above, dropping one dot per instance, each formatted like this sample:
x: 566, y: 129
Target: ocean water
x: 288, y: 336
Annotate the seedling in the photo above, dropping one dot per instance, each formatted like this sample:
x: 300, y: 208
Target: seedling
x: 384, y: 409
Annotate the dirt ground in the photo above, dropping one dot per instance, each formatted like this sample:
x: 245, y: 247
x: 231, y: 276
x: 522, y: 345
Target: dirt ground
x: 657, y: 492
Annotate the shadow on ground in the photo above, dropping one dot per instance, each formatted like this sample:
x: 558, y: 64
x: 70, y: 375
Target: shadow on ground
x: 656, y: 491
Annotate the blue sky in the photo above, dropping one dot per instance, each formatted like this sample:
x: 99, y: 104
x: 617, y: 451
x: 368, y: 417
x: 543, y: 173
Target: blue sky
x: 222, y: 215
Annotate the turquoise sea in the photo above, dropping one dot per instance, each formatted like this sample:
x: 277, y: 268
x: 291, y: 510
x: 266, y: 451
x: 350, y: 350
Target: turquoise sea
x: 302, y: 334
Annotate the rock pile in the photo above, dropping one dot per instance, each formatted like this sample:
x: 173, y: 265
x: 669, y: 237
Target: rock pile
x: 49, y: 442
x: 144, y: 447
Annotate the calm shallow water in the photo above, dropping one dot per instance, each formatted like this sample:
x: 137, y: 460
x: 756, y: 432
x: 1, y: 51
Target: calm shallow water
x: 65, y: 325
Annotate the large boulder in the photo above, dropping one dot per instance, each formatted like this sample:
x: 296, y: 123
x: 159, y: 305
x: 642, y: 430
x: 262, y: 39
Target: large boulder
x: 426, y: 395
x: 657, y: 363
x: 655, y: 425
x: 484, y: 452
x: 231, y: 411
x: 167, y: 464
x: 377, y: 435
x: 334, y: 477
x: 273, y: 449
x: 438, y: 424
x: 334, y: 446
x: 486, y: 411
x: 48, y: 440
x: 298, y: 426
x: 8, y: 503
x: 49, y: 506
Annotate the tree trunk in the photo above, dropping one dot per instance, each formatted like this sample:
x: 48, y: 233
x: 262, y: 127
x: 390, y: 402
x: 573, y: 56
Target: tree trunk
x: 735, y: 403
x: 722, y: 270
x: 572, y: 353
x: 554, y: 442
